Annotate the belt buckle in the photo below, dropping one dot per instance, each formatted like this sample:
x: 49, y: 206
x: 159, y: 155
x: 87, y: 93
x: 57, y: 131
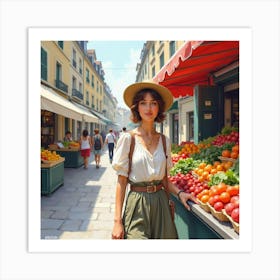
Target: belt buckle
x: 154, y: 189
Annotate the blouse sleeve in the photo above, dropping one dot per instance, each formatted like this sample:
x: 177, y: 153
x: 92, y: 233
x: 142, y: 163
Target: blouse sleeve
x: 120, y: 159
x: 169, y: 163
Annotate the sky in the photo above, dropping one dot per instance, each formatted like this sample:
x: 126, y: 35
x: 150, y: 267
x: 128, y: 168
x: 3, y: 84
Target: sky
x: 119, y: 60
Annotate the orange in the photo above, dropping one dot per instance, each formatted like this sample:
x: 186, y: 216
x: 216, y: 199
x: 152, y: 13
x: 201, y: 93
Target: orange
x: 204, y: 198
x: 202, y: 165
x: 225, y: 197
x: 234, y: 155
x: 235, y: 148
x: 226, y: 153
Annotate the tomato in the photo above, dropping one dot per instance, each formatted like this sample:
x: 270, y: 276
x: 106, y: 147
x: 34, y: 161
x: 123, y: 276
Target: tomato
x: 235, y: 148
x: 222, y: 187
x: 225, y: 197
x: 235, y: 214
x: 229, y: 207
x: 211, y: 201
x: 235, y: 200
x: 216, y: 198
x: 233, y: 190
x: 218, y: 206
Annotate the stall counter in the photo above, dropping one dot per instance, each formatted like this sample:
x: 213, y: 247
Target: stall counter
x: 198, y: 224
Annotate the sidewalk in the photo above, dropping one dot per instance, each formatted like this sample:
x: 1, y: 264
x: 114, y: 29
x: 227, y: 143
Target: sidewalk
x: 83, y: 208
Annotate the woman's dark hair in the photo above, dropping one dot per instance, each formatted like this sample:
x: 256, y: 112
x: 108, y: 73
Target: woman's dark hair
x: 68, y: 132
x: 85, y: 133
x: 96, y: 130
x: 140, y: 95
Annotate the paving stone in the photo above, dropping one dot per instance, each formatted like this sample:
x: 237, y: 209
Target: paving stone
x: 50, y: 234
x: 60, y: 215
x: 51, y: 223
x: 71, y: 225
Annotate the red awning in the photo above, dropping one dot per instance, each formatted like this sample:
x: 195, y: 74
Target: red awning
x: 193, y: 64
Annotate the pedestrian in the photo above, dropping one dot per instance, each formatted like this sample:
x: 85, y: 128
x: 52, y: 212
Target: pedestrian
x: 97, y: 143
x: 110, y: 140
x: 86, y: 144
x: 147, y: 213
x: 68, y: 136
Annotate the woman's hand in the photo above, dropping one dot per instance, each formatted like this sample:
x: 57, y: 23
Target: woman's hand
x: 118, y: 230
x: 184, y: 197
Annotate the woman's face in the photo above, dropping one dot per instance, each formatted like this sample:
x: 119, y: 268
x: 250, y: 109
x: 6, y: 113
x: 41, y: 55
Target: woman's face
x: 148, y: 108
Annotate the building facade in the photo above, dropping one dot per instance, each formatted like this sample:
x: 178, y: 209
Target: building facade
x: 72, y: 91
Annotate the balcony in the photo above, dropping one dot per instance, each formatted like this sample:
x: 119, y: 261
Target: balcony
x: 77, y: 94
x: 60, y: 85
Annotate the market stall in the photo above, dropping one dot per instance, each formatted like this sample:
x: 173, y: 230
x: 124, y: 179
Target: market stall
x: 208, y: 170
x: 71, y: 152
x: 52, y: 172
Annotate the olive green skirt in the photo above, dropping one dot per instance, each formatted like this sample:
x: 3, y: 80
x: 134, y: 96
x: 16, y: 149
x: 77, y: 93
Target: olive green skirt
x: 148, y: 216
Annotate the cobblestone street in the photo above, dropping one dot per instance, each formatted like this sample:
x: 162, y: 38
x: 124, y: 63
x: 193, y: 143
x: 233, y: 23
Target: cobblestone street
x: 83, y: 208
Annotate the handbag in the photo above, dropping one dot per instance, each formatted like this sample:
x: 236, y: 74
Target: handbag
x: 171, y: 203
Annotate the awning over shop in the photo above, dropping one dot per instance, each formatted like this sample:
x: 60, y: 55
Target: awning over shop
x: 101, y: 117
x: 193, y: 64
x: 53, y: 102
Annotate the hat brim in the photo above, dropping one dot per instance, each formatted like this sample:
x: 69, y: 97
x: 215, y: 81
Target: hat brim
x: 164, y: 92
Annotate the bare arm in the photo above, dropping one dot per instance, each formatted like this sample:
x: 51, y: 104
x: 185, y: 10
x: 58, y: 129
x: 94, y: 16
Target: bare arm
x: 118, y: 230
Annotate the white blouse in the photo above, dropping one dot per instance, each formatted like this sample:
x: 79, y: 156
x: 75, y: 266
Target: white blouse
x: 145, y: 166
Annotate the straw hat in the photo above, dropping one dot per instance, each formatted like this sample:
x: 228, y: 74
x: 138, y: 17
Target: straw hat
x: 164, y: 92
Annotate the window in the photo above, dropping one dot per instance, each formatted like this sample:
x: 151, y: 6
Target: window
x: 74, y: 83
x: 171, y: 48
x: 60, y: 43
x: 58, y: 71
x: 97, y: 88
x: 190, y: 121
x: 74, y: 62
x: 87, y: 75
x: 44, y: 65
x: 153, y: 50
x: 92, y: 81
x: 161, y: 58
x: 153, y: 71
x: 80, y: 66
x: 80, y: 88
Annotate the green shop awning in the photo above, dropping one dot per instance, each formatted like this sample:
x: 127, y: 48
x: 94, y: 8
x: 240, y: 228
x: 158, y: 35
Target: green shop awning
x: 174, y: 106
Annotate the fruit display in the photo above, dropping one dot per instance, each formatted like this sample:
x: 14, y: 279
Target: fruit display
x: 210, y: 171
x: 47, y: 156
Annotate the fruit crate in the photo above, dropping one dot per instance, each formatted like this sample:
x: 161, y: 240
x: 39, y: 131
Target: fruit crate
x: 52, y: 177
x: 218, y: 214
x: 234, y: 224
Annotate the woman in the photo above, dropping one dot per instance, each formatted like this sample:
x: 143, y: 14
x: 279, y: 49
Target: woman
x: 97, y: 143
x: 147, y: 214
x: 86, y: 144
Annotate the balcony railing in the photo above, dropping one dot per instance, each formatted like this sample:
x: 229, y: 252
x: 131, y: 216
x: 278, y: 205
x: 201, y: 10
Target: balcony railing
x: 76, y: 93
x: 60, y: 85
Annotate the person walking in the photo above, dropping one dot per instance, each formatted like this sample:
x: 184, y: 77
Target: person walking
x: 147, y: 213
x: 97, y: 143
x: 85, y: 143
x: 110, y: 140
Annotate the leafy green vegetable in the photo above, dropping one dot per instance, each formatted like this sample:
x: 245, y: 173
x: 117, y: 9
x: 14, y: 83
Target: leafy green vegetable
x: 229, y: 178
x: 184, y: 166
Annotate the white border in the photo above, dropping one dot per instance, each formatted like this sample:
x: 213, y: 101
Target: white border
x: 35, y: 36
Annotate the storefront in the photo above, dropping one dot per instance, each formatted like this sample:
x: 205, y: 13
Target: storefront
x: 59, y: 114
x: 204, y: 77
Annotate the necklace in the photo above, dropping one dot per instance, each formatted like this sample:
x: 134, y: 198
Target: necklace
x: 148, y: 140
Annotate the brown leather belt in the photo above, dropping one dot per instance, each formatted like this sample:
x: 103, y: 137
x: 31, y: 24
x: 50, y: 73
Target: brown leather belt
x: 148, y: 189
